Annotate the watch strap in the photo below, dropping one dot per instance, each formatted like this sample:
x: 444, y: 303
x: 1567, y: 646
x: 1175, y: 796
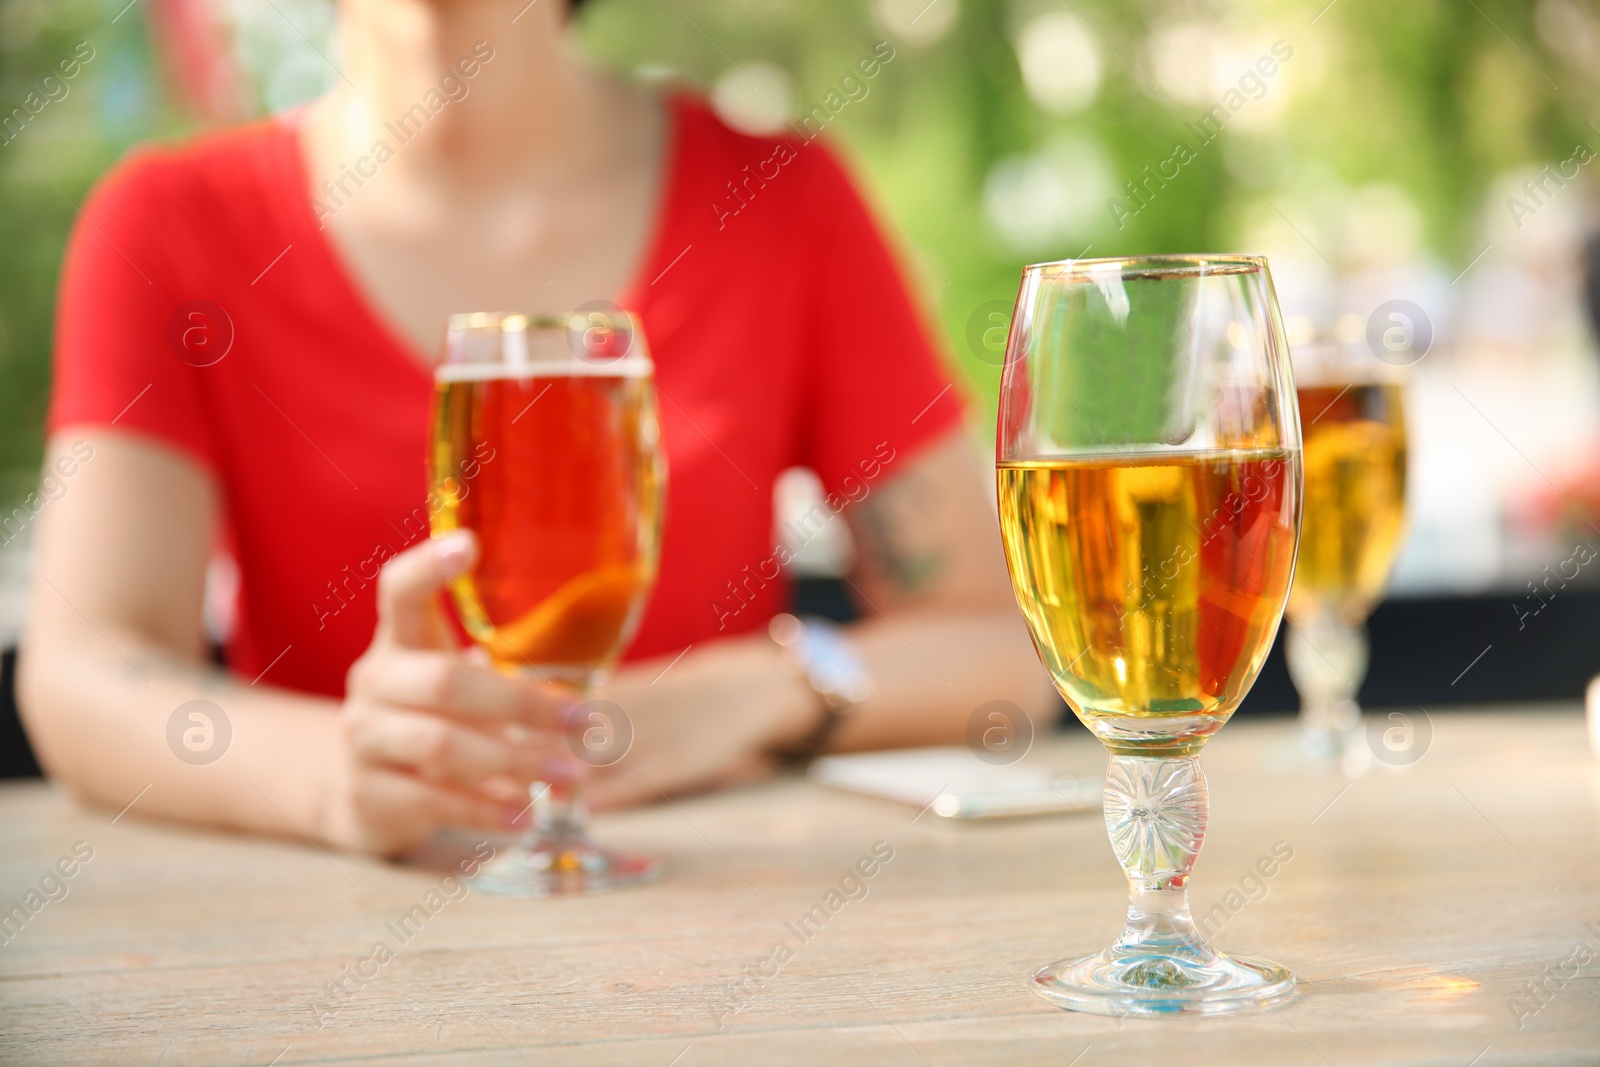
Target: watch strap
x: 821, y: 655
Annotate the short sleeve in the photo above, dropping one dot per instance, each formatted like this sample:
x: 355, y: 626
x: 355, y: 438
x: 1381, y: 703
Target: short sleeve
x: 121, y: 316
x: 879, y: 392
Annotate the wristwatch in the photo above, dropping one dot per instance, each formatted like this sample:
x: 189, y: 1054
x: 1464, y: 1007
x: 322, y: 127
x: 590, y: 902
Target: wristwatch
x: 823, y: 656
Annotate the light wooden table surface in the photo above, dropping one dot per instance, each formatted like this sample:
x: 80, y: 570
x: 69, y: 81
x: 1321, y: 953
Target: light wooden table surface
x: 1417, y: 904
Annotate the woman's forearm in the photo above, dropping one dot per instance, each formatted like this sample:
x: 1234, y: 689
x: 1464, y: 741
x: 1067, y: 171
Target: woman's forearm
x: 113, y: 649
x: 931, y: 671
x: 111, y: 716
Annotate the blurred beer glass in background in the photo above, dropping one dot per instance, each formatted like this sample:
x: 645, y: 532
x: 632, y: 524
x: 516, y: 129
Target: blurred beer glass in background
x: 556, y: 419
x: 1352, y: 418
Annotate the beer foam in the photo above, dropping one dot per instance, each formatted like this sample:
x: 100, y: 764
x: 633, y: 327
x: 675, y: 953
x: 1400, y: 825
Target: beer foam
x: 625, y: 367
x: 1316, y: 374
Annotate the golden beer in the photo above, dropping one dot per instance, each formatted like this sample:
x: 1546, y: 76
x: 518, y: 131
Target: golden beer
x: 1355, y: 491
x: 566, y: 507
x: 1152, y: 584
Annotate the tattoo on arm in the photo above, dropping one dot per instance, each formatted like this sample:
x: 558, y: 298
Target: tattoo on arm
x: 893, y: 540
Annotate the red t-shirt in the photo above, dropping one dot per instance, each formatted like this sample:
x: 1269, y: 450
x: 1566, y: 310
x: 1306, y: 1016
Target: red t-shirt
x: 782, y: 333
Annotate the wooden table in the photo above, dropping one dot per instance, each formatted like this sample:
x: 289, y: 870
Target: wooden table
x: 1416, y: 906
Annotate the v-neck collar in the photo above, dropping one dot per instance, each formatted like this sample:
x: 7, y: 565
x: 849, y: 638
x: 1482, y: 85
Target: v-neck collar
x: 320, y: 245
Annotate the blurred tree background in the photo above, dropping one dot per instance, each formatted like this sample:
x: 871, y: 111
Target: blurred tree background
x: 1002, y: 132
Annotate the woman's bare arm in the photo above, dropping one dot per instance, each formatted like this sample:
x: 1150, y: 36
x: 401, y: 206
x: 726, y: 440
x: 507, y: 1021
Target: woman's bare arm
x: 940, y: 630
x: 114, y: 645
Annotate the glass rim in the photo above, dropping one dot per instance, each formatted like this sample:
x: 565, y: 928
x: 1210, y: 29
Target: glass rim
x: 1249, y: 262
x: 514, y: 344
x: 523, y: 321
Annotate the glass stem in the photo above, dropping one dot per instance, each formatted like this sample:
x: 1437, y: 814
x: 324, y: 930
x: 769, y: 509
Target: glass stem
x: 1327, y: 660
x: 560, y: 805
x: 560, y: 810
x: 1156, y: 810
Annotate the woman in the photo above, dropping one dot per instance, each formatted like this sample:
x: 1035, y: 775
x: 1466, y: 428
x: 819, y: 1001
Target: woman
x: 245, y: 332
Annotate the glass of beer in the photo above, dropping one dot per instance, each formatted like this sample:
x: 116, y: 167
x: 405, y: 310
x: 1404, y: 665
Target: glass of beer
x: 555, y: 417
x: 1148, y: 464
x: 1353, y: 418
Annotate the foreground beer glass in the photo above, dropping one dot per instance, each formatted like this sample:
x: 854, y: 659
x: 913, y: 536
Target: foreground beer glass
x: 1148, y: 462
x: 1353, y: 418
x: 558, y: 420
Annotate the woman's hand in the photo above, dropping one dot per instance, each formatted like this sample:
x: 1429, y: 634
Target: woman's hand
x: 713, y: 718
x: 433, y: 737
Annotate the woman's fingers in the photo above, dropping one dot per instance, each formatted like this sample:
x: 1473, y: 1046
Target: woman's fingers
x: 405, y: 664
x: 409, y: 584
x: 396, y: 811
x: 436, y: 737
x: 438, y: 749
x: 455, y: 685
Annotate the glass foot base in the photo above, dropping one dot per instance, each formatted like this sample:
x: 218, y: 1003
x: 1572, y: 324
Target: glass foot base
x: 1153, y: 984
x: 542, y: 868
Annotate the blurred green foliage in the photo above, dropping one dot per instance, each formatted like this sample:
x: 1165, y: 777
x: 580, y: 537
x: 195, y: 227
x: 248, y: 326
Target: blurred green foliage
x: 1437, y: 97
x: 48, y: 162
